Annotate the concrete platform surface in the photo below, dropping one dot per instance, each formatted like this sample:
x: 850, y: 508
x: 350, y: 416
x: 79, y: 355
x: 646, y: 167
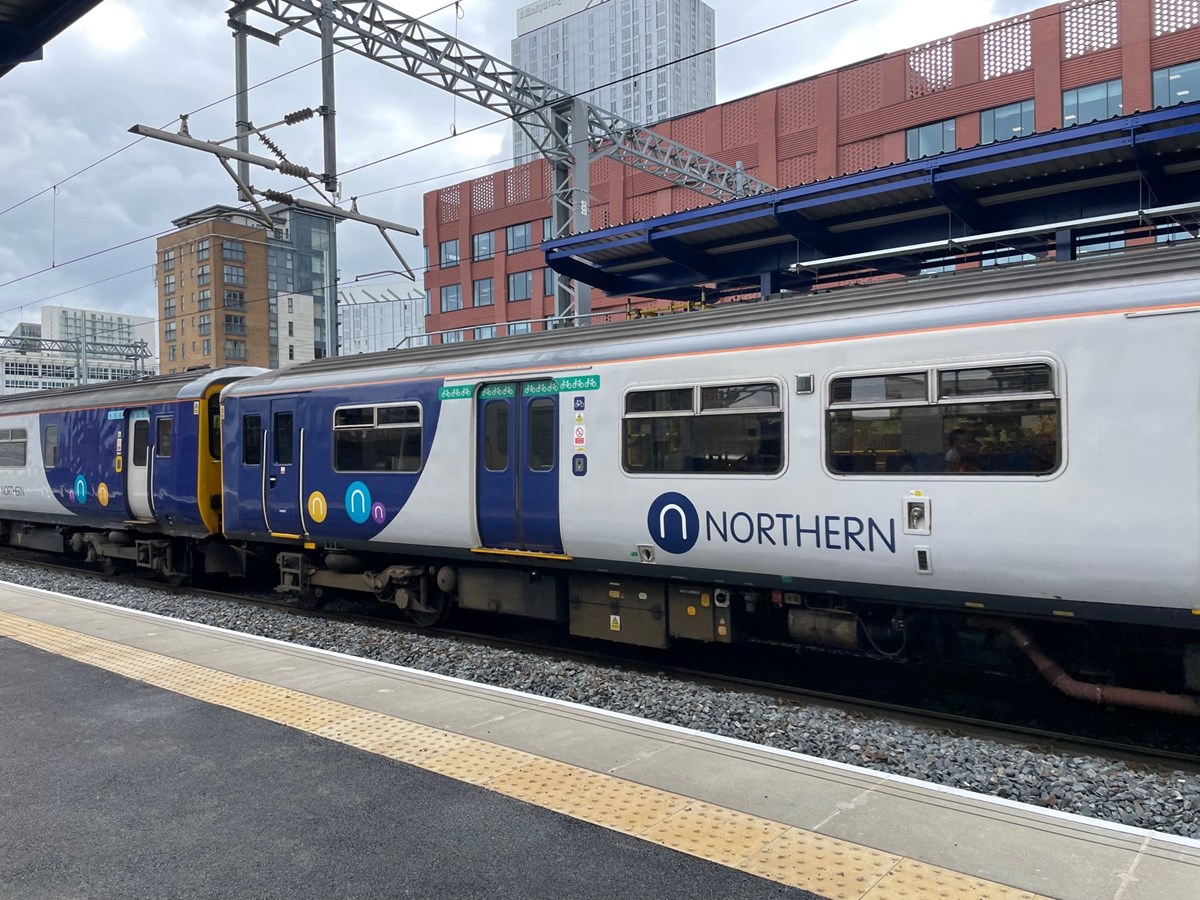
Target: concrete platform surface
x: 732, y: 809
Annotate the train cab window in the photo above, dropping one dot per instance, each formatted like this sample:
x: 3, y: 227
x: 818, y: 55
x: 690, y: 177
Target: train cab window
x: 13, y: 443
x: 162, y: 437
x: 214, y: 426
x: 734, y: 429
x: 252, y: 437
x: 495, y: 435
x: 282, y: 435
x: 377, y: 438
x: 1002, y: 419
x: 50, y: 446
x: 541, y: 424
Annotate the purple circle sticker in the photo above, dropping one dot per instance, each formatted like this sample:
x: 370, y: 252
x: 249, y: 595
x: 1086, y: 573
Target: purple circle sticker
x: 378, y: 513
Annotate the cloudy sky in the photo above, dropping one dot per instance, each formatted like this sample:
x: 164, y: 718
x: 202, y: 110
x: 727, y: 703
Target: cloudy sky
x: 88, y: 239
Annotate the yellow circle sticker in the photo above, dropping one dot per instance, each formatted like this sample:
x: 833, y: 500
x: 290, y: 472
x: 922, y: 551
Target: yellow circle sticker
x: 318, y: 507
x: 102, y: 493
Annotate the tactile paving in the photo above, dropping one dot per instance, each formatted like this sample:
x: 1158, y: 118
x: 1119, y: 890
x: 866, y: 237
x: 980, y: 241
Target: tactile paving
x: 913, y: 880
x: 714, y: 832
x: 773, y: 850
x: 835, y: 869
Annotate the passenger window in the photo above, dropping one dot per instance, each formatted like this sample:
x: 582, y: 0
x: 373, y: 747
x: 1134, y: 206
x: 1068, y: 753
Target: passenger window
x: 283, y: 438
x: 732, y: 429
x: 162, y: 438
x: 13, y: 444
x: 377, y: 438
x: 994, y: 420
x: 50, y: 447
x: 214, y: 426
x: 141, y: 442
x: 252, y: 436
x: 495, y: 436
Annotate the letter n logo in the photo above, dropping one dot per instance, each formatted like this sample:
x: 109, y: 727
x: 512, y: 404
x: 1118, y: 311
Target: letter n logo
x: 673, y: 522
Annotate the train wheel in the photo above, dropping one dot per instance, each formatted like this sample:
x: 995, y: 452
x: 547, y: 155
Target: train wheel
x: 110, y: 565
x: 434, y: 611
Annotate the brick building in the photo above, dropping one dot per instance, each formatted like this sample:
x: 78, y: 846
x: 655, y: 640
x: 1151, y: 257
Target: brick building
x: 1052, y: 67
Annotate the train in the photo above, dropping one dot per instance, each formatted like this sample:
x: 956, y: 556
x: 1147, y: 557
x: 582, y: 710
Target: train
x: 988, y: 467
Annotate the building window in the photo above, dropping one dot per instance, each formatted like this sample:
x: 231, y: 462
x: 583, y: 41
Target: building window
x: 235, y: 299
x: 377, y: 438
x: 235, y: 350
x: 235, y: 324
x: 205, y: 324
x: 520, y: 286
x: 172, y: 351
x: 206, y: 348
x: 234, y: 275
x: 234, y: 250
x: 291, y: 351
x: 1092, y: 103
x: 519, y: 237
x: 985, y: 419
x: 448, y: 253
x: 202, y: 250
x: 205, y: 299
x: 168, y: 261
x: 733, y: 429
x: 203, y: 276
x: 291, y: 305
x: 291, y: 329
x: 931, y: 139
x: 548, y: 282
x: 482, y: 292
x: 483, y: 332
x: 483, y: 246
x: 1177, y: 84
x: 169, y: 284
x: 523, y: 326
x: 1002, y: 123
x: 548, y: 228
x: 169, y: 309
x: 453, y: 337
x: 451, y: 297
x: 169, y: 332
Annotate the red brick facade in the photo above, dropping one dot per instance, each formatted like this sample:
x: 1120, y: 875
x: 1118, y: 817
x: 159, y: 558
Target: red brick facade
x: 836, y: 123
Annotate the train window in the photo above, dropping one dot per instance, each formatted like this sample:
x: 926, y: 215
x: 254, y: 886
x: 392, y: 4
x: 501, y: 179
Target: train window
x: 141, y: 442
x: 282, y: 438
x: 986, y: 420
x: 214, y: 426
x: 252, y: 436
x: 377, y: 438
x: 162, y: 437
x: 542, y: 416
x: 50, y: 447
x: 713, y: 429
x: 12, y: 447
x: 495, y: 435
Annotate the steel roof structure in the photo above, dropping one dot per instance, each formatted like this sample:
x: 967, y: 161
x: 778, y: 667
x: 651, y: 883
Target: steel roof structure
x: 1045, y: 193
x: 28, y: 25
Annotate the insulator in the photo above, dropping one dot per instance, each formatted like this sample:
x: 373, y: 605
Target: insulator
x: 295, y: 170
x: 279, y: 197
x: 271, y: 145
x: 299, y: 115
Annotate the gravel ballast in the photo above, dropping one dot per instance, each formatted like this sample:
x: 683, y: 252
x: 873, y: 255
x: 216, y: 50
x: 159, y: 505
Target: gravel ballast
x: 1168, y: 802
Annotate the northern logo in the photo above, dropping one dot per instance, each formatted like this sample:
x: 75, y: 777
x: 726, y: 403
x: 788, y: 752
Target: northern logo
x: 673, y: 522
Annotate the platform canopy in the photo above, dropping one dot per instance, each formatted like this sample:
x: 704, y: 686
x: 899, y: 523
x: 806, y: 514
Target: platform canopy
x: 27, y: 25
x: 1040, y: 194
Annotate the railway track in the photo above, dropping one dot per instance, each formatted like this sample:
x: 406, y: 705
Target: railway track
x: 1179, y: 749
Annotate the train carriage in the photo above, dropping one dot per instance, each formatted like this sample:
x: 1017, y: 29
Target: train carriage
x: 112, y: 469
x: 858, y: 469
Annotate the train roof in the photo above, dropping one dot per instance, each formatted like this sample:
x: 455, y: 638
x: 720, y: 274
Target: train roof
x: 1041, y: 289
x: 131, y: 392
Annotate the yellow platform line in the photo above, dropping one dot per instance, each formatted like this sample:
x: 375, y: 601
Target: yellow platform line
x: 773, y: 850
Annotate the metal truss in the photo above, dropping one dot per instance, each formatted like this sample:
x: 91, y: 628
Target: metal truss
x: 135, y: 351
x: 371, y: 29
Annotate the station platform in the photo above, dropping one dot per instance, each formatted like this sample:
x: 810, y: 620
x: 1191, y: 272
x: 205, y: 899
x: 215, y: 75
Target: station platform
x: 145, y: 756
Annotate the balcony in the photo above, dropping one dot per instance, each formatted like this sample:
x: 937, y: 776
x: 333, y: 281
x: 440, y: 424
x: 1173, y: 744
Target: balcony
x: 234, y: 328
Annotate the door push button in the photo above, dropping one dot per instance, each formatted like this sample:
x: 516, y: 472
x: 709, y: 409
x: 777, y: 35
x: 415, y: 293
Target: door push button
x: 579, y: 464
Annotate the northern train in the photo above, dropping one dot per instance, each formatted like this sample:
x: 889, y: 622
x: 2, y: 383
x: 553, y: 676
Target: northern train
x: 979, y: 467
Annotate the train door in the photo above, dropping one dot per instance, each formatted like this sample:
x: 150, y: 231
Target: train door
x: 517, y: 467
x: 137, y: 481
x: 281, y: 469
